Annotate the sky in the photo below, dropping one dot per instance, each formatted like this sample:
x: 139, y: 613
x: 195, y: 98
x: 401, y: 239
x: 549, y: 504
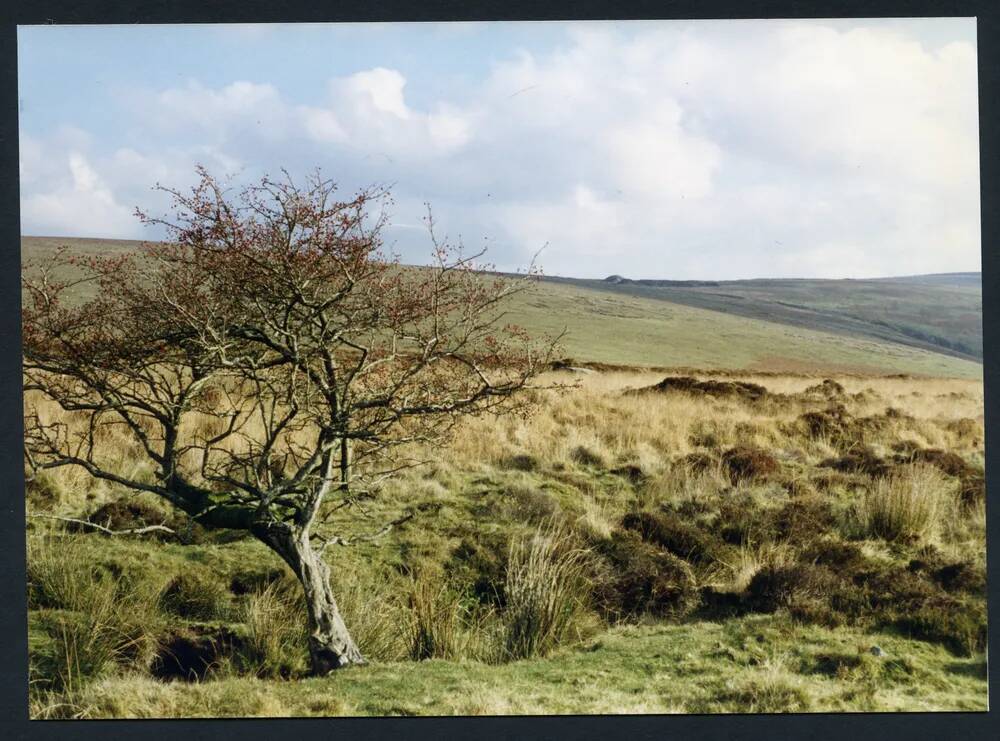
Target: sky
x: 650, y: 149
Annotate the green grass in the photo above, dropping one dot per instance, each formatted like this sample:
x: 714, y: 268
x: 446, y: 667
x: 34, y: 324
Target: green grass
x: 617, y: 328
x: 941, y: 313
x: 742, y: 665
x: 636, y: 325
x: 779, y: 594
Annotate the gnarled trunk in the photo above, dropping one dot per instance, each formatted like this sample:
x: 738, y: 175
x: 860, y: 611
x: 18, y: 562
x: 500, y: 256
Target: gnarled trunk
x: 330, y: 644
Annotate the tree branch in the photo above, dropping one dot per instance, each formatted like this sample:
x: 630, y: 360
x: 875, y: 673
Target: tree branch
x: 103, y: 529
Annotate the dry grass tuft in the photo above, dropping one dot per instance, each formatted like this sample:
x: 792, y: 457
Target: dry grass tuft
x: 909, y: 505
x: 99, y: 623
x: 276, y: 630
x: 436, y: 626
x: 545, y: 581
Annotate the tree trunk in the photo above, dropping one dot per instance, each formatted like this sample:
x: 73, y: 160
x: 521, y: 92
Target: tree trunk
x: 330, y: 644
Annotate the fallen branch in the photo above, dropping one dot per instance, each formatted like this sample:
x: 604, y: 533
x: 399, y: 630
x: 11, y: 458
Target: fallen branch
x: 109, y: 531
x: 338, y: 540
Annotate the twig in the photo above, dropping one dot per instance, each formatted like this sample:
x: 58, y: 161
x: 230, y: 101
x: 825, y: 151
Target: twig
x: 109, y: 531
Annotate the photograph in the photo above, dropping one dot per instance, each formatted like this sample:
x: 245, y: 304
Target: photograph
x: 501, y: 368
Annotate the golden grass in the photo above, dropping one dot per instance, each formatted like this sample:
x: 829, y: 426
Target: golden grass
x: 649, y: 430
x: 545, y: 574
x: 590, y: 454
x: 911, y: 504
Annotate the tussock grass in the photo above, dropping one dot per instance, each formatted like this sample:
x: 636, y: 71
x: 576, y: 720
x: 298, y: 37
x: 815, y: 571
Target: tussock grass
x: 906, y: 506
x: 749, y: 560
x: 375, y: 610
x: 276, y: 631
x: 436, y: 626
x: 98, y: 623
x: 545, y: 580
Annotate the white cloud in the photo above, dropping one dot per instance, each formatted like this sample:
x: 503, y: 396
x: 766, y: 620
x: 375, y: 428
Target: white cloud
x: 380, y: 88
x: 657, y: 159
x: 322, y: 125
x: 83, y: 205
x: 659, y: 150
x: 239, y: 111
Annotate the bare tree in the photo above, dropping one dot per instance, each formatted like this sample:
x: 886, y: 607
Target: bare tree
x: 271, y: 362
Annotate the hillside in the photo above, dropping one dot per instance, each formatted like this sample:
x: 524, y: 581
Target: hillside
x: 733, y: 562
x: 942, y: 312
x: 740, y: 327
x: 743, y: 541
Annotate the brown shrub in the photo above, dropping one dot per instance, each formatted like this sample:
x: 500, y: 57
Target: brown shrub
x: 801, y: 520
x: 972, y: 490
x: 906, y: 448
x: 719, y: 605
x: 190, y: 654
x: 632, y: 473
x: 746, y: 463
x: 962, y: 576
x: 844, y: 558
x: 704, y: 435
x: 586, y: 457
x: 740, y: 520
x: 521, y: 462
x: 196, y: 595
x: 256, y: 580
x: 639, y: 578
x: 528, y: 504
x: 947, y: 462
x: 861, y: 460
x: 927, y: 559
x: 125, y: 514
x: 799, y: 487
x: 967, y: 431
x: 828, y: 388
x: 680, y: 538
x: 482, y: 564
x: 830, y: 480
x: 719, y: 389
x: 894, y: 413
x: 888, y: 590
x: 834, y: 584
x: 131, y: 514
x: 832, y: 423
x: 972, y: 482
x: 776, y: 587
x: 844, y: 430
x: 959, y: 625
x: 876, y: 425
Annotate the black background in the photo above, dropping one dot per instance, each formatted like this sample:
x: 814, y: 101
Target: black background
x: 14, y: 723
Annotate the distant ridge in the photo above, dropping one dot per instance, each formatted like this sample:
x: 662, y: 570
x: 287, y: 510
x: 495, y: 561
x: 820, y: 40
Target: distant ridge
x: 967, y: 278
x: 647, y: 322
x: 939, y: 279
x: 619, y: 281
x: 942, y: 312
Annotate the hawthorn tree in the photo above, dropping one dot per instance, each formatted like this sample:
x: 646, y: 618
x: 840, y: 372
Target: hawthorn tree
x: 270, y: 362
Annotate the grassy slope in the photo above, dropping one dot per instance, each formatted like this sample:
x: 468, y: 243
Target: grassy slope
x: 622, y: 328
x: 614, y: 326
x: 702, y: 667
x: 757, y: 663
x: 931, y: 312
